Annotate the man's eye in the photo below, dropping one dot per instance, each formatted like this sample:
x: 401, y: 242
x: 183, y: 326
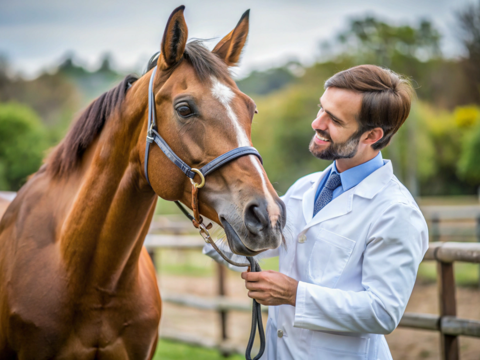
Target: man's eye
x: 184, y: 110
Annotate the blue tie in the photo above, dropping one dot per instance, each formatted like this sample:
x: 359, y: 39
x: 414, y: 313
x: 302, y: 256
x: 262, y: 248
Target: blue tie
x: 326, y: 195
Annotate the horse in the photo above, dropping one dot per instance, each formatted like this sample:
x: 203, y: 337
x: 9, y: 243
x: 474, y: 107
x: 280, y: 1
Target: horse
x: 75, y: 279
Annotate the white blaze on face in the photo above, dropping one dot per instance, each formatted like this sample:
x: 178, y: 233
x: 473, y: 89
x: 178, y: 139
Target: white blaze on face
x: 225, y: 95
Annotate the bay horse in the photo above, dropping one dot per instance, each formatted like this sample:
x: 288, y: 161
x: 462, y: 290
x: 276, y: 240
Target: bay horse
x: 75, y: 279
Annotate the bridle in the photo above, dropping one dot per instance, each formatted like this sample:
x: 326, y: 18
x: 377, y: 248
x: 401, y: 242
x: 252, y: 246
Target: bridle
x: 154, y: 137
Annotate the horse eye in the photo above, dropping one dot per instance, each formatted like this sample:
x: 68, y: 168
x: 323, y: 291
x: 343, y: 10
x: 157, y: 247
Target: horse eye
x: 184, y: 110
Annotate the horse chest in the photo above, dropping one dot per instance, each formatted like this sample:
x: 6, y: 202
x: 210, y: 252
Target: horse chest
x: 85, y: 329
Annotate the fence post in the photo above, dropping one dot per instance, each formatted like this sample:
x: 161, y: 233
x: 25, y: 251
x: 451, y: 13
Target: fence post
x: 435, y: 228
x: 222, y: 313
x: 448, y: 307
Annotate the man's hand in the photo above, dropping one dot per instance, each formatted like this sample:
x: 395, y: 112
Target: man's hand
x: 271, y: 287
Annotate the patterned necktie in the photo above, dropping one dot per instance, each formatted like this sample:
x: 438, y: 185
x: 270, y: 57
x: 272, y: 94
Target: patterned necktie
x: 326, y: 195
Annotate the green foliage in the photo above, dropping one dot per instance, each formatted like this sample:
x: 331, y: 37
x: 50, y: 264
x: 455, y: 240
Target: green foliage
x: 262, y: 83
x: 170, y: 350
x: 466, y: 116
x: 374, y: 41
x: 22, y: 143
x: 469, y: 164
x: 438, y: 142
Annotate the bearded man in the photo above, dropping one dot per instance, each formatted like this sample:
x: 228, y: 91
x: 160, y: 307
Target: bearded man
x: 357, y: 236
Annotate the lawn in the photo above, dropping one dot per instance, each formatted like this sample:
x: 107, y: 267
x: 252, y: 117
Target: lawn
x: 169, y: 350
x: 194, y: 263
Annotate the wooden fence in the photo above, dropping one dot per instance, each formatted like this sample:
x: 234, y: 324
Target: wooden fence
x: 444, y: 253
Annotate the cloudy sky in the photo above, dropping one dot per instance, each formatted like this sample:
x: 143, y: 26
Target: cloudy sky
x: 36, y: 34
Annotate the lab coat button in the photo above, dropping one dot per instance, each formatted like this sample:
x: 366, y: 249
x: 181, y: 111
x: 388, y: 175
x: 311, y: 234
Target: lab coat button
x: 302, y: 238
x: 280, y: 333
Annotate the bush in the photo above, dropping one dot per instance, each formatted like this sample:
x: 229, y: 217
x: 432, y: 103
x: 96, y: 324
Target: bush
x: 22, y: 143
x: 469, y: 163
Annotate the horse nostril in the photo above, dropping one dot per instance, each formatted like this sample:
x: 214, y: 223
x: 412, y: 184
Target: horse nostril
x: 256, y: 218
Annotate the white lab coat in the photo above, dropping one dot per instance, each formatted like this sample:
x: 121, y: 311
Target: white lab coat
x: 356, y: 262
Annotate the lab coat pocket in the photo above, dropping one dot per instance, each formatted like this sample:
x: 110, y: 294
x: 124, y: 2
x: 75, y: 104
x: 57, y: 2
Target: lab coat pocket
x: 338, y: 347
x: 329, y: 257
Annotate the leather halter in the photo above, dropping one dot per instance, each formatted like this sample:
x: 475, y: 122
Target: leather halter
x: 154, y: 136
x: 197, y: 220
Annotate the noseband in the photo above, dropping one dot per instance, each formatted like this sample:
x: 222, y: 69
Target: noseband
x: 154, y: 137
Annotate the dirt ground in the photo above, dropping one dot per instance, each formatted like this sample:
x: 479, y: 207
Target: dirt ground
x: 404, y: 343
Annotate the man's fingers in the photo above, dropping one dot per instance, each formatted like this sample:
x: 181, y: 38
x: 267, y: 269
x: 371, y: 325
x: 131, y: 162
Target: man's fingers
x: 257, y: 295
x: 252, y: 285
x: 251, y: 276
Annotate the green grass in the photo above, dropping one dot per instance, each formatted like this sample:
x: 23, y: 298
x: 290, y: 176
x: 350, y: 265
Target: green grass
x: 194, y: 263
x: 465, y: 274
x: 184, y: 262
x: 170, y: 350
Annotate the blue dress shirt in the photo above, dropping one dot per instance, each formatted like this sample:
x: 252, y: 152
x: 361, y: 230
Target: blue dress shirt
x: 351, y: 177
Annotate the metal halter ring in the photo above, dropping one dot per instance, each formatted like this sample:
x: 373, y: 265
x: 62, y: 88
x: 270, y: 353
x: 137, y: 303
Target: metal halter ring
x: 205, y: 234
x: 202, y: 183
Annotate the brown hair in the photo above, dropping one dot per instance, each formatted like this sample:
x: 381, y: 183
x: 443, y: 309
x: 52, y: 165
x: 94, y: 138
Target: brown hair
x: 386, y: 100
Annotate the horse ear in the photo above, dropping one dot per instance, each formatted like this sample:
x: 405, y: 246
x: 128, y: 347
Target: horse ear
x: 230, y: 47
x: 174, y: 39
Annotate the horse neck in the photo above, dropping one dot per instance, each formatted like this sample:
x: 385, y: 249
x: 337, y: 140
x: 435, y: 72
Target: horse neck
x: 103, y: 233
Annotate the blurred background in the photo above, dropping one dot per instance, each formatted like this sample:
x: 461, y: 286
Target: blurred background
x: 57, y: 56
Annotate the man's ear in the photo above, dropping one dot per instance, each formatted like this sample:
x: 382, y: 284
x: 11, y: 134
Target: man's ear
x: 374, y: 135
x: 230, y: 47
x: 174, y: 39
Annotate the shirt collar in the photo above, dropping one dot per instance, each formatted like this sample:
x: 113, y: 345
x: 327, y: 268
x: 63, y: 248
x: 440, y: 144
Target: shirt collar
x: 352, y: 177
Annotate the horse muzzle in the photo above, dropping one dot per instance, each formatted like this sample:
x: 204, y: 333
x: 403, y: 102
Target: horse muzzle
x: 259, y: 232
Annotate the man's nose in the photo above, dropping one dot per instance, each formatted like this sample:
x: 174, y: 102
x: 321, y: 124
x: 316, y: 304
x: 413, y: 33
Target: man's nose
x: 319, y: 122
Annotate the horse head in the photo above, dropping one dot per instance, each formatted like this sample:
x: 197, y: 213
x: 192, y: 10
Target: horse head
x: 201, y: 114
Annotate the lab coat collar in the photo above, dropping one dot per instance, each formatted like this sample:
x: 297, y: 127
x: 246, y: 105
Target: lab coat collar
x: 342, y: 205
x: 375, y: 182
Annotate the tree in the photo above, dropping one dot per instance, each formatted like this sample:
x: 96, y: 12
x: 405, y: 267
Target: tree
x: 469, y: 24
x: 22, y: 143
x: 373, y: 41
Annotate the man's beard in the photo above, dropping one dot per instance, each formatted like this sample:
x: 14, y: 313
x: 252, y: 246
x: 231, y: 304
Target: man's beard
x: 334, y: 151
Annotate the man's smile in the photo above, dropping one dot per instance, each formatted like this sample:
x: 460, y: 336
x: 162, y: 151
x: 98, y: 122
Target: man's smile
x: 320, y: 139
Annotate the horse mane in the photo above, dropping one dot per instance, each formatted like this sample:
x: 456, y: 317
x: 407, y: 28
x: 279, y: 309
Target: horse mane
x: 68, y: 154
x: 86, y: 128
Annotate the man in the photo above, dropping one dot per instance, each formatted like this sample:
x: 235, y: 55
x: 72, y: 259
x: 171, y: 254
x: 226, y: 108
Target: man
x: 355, y: 235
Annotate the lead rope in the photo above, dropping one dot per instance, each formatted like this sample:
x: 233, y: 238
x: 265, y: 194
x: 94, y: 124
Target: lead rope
x: 253, y: 266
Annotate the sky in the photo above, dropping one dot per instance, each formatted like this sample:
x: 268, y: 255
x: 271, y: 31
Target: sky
x: 36, y: 35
